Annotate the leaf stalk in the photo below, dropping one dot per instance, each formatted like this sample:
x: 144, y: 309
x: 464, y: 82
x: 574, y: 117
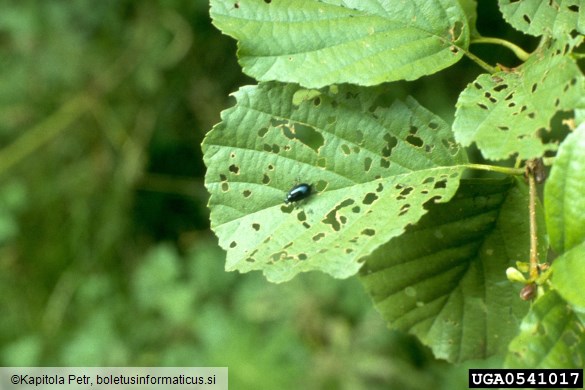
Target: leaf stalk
x: 487, y: 67
x: 495, y: 168
x: 517, y: 50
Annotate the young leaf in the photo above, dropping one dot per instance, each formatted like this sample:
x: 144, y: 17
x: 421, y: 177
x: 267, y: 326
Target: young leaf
x: 569, y: 274
x: 551, y: 336
x: 444, y: 280
x: 372, y: 169
x: 318, y: 43
x: 538, y: 17
x: 564, y: 194
x: 505, y: 113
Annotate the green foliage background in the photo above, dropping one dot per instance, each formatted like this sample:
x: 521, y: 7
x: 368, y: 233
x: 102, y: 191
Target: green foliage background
x: 105, y: 253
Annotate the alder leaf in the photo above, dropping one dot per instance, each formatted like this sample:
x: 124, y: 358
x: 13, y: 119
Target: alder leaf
x: 372, y: 169
x: 318, y: 43
x: 564, y: 194
x: 507, y: 112
x: 444, y: 280
x: 538, y: 17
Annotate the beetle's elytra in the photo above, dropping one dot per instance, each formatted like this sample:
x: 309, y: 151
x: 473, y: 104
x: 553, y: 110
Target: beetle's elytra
x: 298, y: 192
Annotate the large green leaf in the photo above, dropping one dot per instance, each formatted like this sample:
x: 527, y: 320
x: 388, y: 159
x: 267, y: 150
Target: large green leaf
x: 372, y: 169
x: 318, y: 43
x: 551, y: 336
x: 564, y: 194
x: 507, y: 112
x: 569, y: 276
x: 444, y: 280
x: 538, y: 17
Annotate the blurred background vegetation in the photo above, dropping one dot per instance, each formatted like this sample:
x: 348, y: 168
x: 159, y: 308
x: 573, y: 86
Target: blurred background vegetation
x: 106, y: 258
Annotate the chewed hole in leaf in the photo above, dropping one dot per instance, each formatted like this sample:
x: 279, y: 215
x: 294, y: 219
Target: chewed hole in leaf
x: 370, y: 198
x: 305, y: 134
x: 247, y: 193
x: 318, y: 236
x: 271, y: 148
x: 233, y: 244
x: 404, y: 193
x: 287, y: 208
x: 369, y: 232
x: 332, y: 221
x: 367, y: 164
x: 265, y: 179
x: 404, y: 209
x: 391, y: 142
x: 415, y: 141
x: 441, y: 184
x: 278, y: 256
x: 500, y: 87
x: 345, y: 203
x: 321, y: 185
x: 573, y: 8
x: 256, y: 226
x: 527, y: 19
x: 234, y: 169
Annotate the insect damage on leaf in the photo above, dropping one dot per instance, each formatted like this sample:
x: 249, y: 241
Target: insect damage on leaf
x: 372, y: 168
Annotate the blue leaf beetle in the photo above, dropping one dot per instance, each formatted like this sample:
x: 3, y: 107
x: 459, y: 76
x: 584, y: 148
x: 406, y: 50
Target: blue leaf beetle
x: 298, y: 192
